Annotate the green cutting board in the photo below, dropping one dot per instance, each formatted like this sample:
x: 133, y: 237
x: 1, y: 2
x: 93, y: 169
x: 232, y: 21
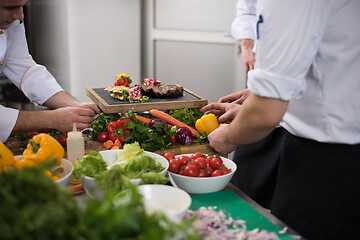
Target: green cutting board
x: 231, y: 204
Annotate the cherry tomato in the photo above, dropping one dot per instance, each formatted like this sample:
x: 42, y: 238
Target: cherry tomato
x: 103, y: 137
x: 169, y: 156
x: 173, y: 138
x: 191, y: 171
x: 174, y: 166
x: 192, y: 162
x: 63, y: 139
x: 201, y: 161
x: 31, y: 135
x: 217, y: 173
x: 208, y: 158
x: 209, y: 171
x: 196, y: 155
x: 202, y: 173
x: 215, y: 163
x: 184, y: 160
x: 225, y: 170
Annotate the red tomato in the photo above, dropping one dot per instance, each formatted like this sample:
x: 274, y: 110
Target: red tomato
x: 202, y: 173
x: 169, y: 156
x: 209, y: 171
x: 196, y: 155
x: 173, y: 138
x: 174, y: 166
x: 216, y: 163
x: 63, y: 139
x: 225, y: 170
x: 184, y: 160
x: 103, y: 137
x: 217, y: 173
x: 191, y: 171
x: 192, y: 162
x: 208, y: 158
x: 31, y: 135
x: 201, y: 161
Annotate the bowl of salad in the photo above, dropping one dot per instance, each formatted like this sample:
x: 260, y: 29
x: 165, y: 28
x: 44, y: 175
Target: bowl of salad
x: 113, y: 170
x: 200, y: 173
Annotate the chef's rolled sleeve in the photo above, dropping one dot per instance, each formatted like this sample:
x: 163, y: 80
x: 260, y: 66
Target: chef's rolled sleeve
x: 39, y: 85
x: 268, y: 84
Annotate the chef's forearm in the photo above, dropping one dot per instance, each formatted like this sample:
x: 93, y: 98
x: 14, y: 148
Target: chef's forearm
x: 256, y: 119
x: 29, y: 121
x: 61, y: 99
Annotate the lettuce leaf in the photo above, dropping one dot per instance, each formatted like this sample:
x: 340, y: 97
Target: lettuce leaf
x: 90, y: 165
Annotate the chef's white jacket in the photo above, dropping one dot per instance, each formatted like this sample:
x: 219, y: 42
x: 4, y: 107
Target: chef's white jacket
x: 18, y: 66
x: 243, y: 25
x: 308, y: 52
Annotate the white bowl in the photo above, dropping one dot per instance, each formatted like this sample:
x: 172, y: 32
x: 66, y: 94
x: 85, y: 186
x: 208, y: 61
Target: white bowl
x: 66, y: 174
x: 171, y: 201
x: 109, y: 156
x: 200, y: 185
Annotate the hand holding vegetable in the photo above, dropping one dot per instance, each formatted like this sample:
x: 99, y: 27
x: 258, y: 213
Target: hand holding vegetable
x: 206, y: 124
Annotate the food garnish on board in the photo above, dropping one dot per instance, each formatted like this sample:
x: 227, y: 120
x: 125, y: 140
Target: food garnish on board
x: 123, y: 91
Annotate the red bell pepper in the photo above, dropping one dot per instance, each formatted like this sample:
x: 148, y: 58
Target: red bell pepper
x: 117, y: 130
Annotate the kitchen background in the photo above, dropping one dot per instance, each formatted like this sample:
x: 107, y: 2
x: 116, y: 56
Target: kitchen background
x: 85, y: 43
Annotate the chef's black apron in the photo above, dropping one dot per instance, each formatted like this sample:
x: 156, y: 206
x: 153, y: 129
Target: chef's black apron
x: 318, y: 189
x: 257, y: 167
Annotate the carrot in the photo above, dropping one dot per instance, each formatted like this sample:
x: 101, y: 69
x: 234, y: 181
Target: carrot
x: 114, y: 147
x: 143, y: 119
x: 173, y: 121
x: 117, y: 143
x: 77, y: 188
x: 108, y: 144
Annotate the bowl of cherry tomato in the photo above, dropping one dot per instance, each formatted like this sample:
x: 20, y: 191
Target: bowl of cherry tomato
x: 199, y: 173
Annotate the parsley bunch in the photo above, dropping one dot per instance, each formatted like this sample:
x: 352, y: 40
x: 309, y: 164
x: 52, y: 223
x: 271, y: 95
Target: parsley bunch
x: 149, y: 139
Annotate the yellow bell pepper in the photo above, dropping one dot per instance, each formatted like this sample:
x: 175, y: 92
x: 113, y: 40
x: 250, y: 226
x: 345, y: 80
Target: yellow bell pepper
x: 6, y: 157
x: 206, y: 124
x: 20, y: 163
x: 43, y: 147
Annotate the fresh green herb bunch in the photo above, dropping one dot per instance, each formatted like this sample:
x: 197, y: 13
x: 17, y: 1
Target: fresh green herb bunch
x: 186, y: 115
x: 149, y: 139
x: 34, y: 207
x: 101, y: 122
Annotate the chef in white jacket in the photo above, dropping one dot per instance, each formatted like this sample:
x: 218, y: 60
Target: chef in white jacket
x: 257, y: 162
x: 307, y: 78
x: 34, y: 80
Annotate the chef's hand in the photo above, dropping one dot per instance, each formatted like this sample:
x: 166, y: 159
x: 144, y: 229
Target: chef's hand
x: 237, y: 97
x: 225, y: 111
x: 63, y: 118
x: 247, y: 54
x: 89, y: 105
x: 219, y: 141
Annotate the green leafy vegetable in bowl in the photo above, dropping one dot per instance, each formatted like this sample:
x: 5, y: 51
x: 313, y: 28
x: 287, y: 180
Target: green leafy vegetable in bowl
x: 90, y: 165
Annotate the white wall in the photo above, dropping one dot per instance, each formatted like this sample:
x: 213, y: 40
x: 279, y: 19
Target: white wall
x: 85, y: 43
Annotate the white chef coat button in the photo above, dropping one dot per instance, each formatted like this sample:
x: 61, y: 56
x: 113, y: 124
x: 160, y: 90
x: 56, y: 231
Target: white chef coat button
x: 1, y: 32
